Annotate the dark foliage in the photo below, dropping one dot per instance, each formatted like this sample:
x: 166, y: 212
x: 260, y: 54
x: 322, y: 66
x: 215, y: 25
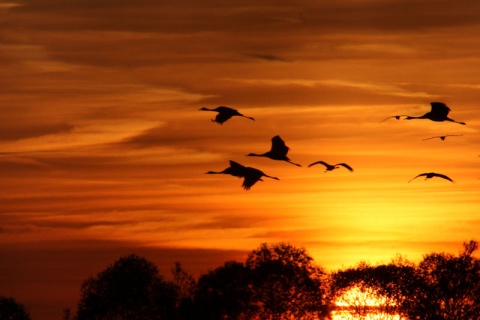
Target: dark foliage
x: 225, y: 293
x: 280, y: 282
x: 450, y: 287
x: 441, y: 287
x: 185, y: 287
x: 129, y: 289
x: 286, y: 283
x: 395, y: 283
x: 12, y: 310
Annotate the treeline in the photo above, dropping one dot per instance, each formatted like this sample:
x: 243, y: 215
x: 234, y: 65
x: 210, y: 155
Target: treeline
x: 279, y: 282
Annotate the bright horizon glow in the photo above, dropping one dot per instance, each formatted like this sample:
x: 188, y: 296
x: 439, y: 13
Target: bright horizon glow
x: 369, y: 303
x: 357, y: 297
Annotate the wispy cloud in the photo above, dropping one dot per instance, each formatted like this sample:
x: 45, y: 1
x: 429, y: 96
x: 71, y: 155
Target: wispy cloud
x: 378, y: 88
x: 373, y: 87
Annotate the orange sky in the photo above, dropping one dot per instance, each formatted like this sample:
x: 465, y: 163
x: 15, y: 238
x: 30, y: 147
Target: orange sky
x: 103, y: 150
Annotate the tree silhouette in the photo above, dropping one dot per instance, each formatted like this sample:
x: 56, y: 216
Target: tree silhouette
x: 12, y: 310
x: 130, y: 289
x: 281, y: 282
x: 184, y: 282
x: 442, y: 286
x: 392, y: 285
x: 224, y: 293
x: 286, y: 283
x: 185, y: 286
x: 451, y: 288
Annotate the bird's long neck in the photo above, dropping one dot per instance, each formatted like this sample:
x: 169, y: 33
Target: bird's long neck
x: 256, y: 155
x: 413, y: 117
x: 214, y: 172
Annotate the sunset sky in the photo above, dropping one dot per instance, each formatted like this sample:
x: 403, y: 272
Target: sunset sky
x: 103, y: 149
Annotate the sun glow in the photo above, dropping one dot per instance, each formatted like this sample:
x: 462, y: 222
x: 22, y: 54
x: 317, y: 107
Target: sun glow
x: 356, y: 303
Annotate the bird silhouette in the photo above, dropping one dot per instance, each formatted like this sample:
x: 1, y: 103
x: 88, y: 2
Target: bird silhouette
x: 278, y: 151
x: 250, y: 175
x: 225, y: 113
x: 329, y: 167
x: 439, y: 112
x: 430, y: 175
x: 443, y: 137
x: 235, y: 169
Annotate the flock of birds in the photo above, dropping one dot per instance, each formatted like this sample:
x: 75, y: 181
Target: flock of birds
x: 279, y: 150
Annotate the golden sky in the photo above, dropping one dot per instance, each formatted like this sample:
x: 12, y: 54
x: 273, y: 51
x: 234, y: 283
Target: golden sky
x: 103, y: 148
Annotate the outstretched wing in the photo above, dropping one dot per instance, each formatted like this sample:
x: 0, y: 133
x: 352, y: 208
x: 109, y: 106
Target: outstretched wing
x: 441, y: 137
x: 222, y: 117
x: 421, y: 174
x: 225, y: 109
x: 234, y: 164
x: 318, y: 162
x: 225, y: 113
x: 279, y: 146
x: 442, y: 176
x: 252, y: 175
x: 236, y: 169
x: 396, y: 117
x: 440, y: 109
x: 250, y: 178
x: 346, y: 166
x: 248, y: 183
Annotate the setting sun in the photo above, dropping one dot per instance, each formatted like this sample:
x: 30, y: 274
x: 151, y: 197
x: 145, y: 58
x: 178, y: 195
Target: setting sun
x: 360, y: 304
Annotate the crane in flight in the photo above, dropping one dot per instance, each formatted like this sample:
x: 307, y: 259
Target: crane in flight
x: 443, y: 137
x: 329, y: 167
x: 235, y: 169
x: 429, y: 175
x: 250, y: 175
x: 438, y: 113
x: 278, y: 151
x: 225, y: 113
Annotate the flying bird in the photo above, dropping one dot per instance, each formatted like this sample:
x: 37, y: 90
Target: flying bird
x: 235, y: 169
x: 225, y: 113
x: 443, y: 137
x: 430, y: 175
x: 329, y: 167
x: 250, y: 175
x: 438, y: 113
x: 278, y: 151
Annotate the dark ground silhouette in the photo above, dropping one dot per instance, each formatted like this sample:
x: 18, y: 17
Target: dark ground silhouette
x: 279, y: 282
x: 10, y: 309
